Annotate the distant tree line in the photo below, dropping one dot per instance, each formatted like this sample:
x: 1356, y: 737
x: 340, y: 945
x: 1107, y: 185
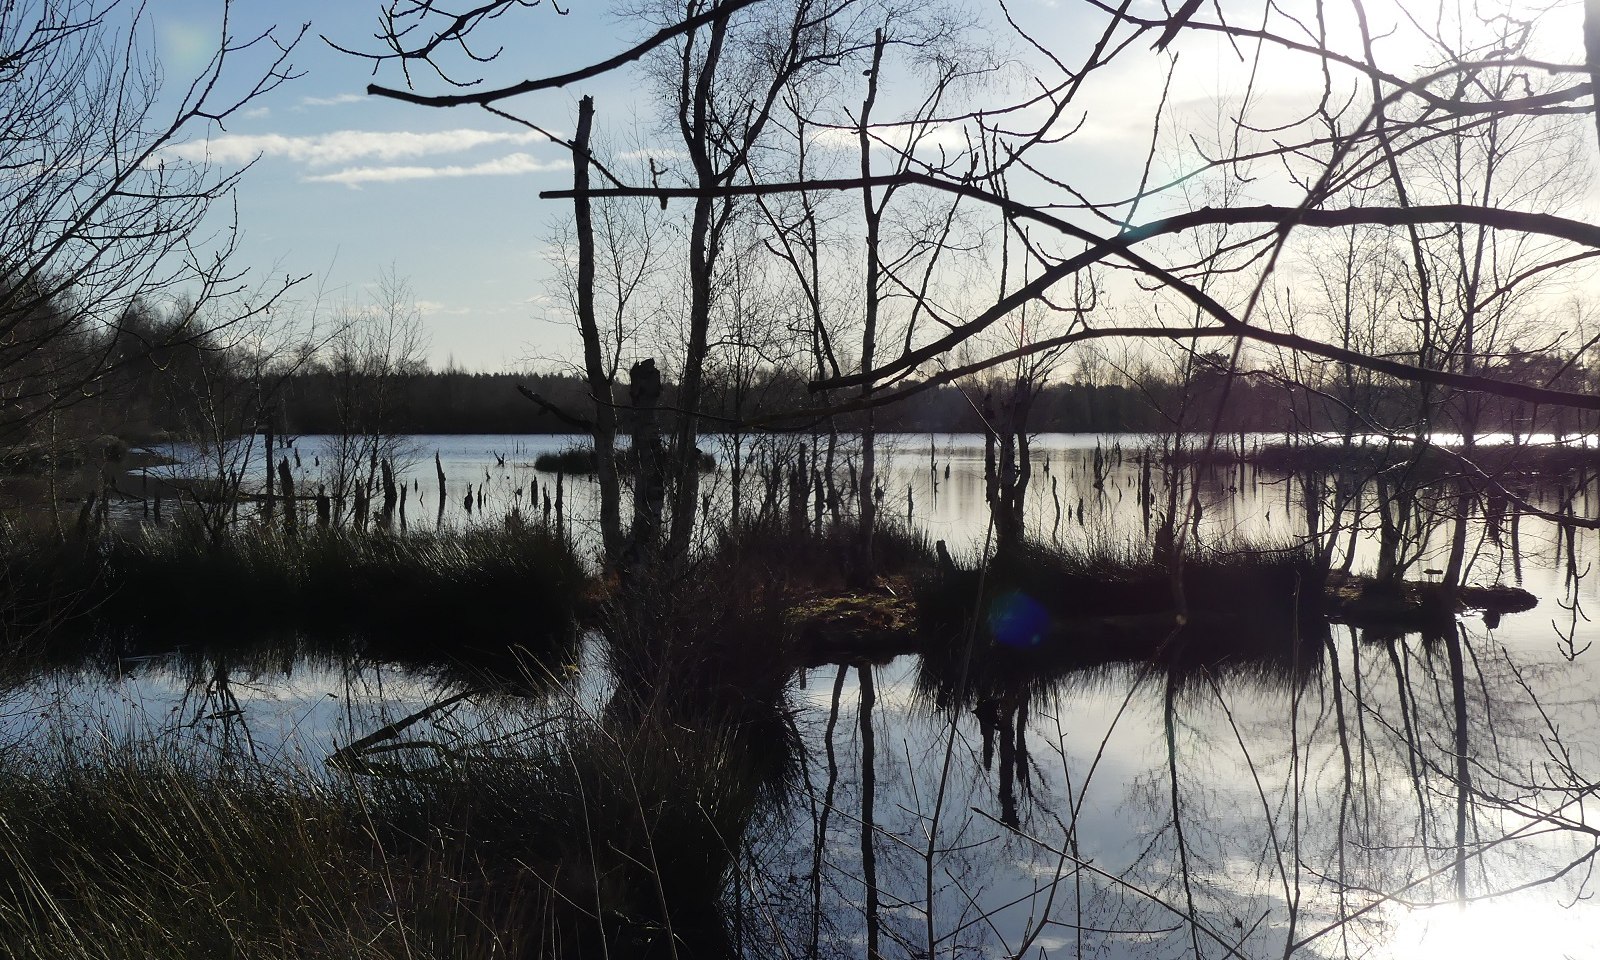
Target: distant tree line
x: 454, y: 402
x: 168, y: 373
x: 163, y: 374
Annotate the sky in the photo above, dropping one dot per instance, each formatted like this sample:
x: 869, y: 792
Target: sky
x: 347, y: 186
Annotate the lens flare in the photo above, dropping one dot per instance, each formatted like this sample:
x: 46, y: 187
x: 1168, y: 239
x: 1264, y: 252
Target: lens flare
x: 1017, y: 620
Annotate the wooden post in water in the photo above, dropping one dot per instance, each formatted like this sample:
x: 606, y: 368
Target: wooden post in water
x: 650, y: 488
x: 389, y: 494
x: 799, y: 494
x: 817, y: 486
x: 439, y: 469
x: 286, y: 482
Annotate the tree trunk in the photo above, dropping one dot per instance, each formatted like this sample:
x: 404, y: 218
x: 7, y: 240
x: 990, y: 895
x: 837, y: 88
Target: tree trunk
x: 704, y: 246
x: 604, y: 430
x: 869, y: 328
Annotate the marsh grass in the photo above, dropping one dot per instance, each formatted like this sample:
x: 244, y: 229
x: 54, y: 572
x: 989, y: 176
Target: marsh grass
x: 479, y: 595
x: 611, y: 829
x: 589, y: 836
x: 809, y: 560
x: 1046, y: 614
x: 141, y: 854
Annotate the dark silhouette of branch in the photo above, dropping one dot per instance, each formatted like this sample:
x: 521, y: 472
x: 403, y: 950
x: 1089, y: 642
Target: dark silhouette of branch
x: 1591, y: 45
x: 481, y: 97
x: 1102, y: 248
x: 554, y: 410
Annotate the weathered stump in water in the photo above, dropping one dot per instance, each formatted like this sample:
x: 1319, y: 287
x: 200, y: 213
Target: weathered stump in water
x: 1368, y: 602
x: 650, y: 485
x: 390, y: 497
x: 286, y: 484
x: 438, y: 468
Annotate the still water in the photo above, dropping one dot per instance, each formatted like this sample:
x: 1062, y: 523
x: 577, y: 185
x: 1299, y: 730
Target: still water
x: 1385, y: 796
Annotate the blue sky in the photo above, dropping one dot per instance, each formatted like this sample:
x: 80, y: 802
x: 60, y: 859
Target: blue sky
x: 348, y: 185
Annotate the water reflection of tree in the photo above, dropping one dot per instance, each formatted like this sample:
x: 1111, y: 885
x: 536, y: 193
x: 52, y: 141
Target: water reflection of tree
x: 1442, y: 718
x: 1282, y: 810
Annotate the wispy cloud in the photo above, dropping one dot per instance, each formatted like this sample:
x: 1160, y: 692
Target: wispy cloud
x: 512, y: 164
x: 665, y: 153
x: 346, y: 146
x: 332, y: 101
x: 949, y: 136
x: 438, y: 308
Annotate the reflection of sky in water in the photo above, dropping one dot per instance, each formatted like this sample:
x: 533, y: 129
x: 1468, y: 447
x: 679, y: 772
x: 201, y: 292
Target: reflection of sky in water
x: 296, y: 715
x: 1279, y: 792
x: 1246, y: 799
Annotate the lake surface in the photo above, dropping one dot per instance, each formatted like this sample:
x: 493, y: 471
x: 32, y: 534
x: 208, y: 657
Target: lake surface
x: 1382, y: 796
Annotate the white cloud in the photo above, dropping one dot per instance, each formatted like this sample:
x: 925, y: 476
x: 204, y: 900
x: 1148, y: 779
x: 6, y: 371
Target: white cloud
x: 438, y: 308
x: 512, y: 164
x: 332, y: 101
x: 666, y: 153
x: 345, y: 146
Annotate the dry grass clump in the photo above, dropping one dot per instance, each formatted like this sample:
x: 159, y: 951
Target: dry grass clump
x: 466, y: 593
x: 590, y: 836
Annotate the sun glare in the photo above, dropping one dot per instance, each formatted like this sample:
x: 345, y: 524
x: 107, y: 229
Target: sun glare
x: 1497, y: 931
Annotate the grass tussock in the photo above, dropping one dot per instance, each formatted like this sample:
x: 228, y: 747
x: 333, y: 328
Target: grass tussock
x: 702, y: 647
x: 805, y: 560
x: 595, y: 838
x: 139, y: 856
x: 1045, y: 614
x: 466, y: 593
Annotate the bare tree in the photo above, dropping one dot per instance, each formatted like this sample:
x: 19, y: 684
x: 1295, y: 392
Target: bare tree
x: 223, y: 378
x: 605, y: 267
x: 98, y: 212
x: 371, y: 347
